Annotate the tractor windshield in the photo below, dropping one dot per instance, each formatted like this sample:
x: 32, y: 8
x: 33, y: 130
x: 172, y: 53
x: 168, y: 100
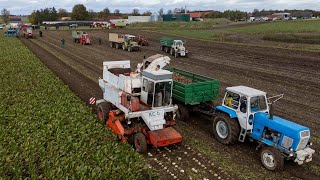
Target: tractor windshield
x: 258, y: 103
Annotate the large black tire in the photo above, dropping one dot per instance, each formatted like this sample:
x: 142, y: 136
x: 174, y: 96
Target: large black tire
x: 167, y: 49
x: 103, y: 110
x: 140, y: 143
x: 272, y: 159
x: 225, y: 129
x: 171, y: 51
x: 183, y: 113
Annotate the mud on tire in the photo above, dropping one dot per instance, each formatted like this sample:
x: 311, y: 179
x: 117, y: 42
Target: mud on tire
x: 140, y: 143
x: 183, y: 113
x: 272, y: 159
x: 225, y: 129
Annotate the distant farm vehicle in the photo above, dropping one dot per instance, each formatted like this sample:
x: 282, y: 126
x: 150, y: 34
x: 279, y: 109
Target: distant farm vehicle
x: 173, y: 46
x: 125, y: 42
x: 85, y: 39
x: 137, y: 107
x: 117, y: 25
x: 1, y: 26
x: 77, y: 35
x: 141, y: 40
x: 244, y: 113
x: 10, y: 33
x: 73, y: 25
x: 28, y: 32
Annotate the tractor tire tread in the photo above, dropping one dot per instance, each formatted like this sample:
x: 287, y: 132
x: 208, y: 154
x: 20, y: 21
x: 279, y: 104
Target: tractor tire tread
x: 232, y: 124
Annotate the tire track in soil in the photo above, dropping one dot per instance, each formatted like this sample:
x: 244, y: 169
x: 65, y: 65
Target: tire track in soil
x: 80, y: 87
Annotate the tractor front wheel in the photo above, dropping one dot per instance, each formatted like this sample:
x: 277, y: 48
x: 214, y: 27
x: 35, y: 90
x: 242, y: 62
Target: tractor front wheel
x: 140, y: 143
x: 225, y: 129
x: 176, y: 55
x: 272, y: 159
x: 103, y: 110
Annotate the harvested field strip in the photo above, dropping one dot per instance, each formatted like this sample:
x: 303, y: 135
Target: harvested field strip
x: 294, y: 38
x: 47, y: 132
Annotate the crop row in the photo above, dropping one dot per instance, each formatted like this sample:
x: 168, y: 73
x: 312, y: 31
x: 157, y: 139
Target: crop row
x: 47, y: 132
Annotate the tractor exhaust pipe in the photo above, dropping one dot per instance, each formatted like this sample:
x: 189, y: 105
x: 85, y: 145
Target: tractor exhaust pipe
x: 271, y: 111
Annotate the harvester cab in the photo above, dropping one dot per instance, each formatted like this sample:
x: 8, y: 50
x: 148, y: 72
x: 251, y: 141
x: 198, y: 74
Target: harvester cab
x: 245, y: 112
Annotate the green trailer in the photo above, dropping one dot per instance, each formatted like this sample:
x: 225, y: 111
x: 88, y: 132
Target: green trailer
x: 197, y: 94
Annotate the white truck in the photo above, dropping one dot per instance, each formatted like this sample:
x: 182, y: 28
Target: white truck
x: 137, y: 106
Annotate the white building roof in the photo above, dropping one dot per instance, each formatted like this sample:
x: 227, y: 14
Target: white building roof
x: 247, y: 91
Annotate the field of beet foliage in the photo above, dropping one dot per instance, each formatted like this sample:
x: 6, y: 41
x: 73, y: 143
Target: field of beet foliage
x: 47, y: 132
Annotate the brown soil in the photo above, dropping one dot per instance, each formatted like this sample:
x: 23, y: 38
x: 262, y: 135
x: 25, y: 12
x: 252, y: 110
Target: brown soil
x: 294, y: 73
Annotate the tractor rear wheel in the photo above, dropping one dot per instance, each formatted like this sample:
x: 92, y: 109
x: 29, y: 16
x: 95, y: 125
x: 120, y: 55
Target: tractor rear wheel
x: 272, y: 159
x: 140, y: 143
x: 225, y: 129
x: 103, y: 110
x: 183, y: 113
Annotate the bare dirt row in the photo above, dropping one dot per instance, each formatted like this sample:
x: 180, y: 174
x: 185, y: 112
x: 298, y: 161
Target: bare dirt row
x: 272, y: 70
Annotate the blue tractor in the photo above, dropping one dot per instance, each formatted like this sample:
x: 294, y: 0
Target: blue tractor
x: 13, y: 32
x: 247, y: 112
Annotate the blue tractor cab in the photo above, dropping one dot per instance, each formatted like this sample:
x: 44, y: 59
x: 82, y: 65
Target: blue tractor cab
x: 247, y: 112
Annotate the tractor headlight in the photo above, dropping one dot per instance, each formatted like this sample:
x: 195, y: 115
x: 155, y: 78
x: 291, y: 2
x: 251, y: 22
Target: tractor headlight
x: 310, y: 143
x: 291, y: 149
x: 291, y: 152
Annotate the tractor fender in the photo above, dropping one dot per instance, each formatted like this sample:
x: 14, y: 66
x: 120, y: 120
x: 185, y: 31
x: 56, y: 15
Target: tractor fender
x: 228, y: 111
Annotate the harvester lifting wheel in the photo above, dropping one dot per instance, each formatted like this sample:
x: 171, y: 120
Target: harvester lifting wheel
x: 225, y: 129
x: 183, y: 113
x: 140, y: 143
x: 103, y: 110
x: 272, y: 159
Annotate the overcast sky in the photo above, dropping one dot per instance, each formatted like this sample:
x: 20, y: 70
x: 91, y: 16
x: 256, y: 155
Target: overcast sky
x: 25, y: 7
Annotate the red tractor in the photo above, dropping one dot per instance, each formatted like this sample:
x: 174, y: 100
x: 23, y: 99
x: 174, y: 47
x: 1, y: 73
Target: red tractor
x: 85, y: 39
x: 141, y: 40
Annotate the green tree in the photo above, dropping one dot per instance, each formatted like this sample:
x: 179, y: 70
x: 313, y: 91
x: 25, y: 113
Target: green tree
x: 161, y: 12
x: 62, y: 13
x: 169, y: 11
x: 135, y: 12
x: 5, y: 15
x: 79, y: 12
x: 147, y: 13
x: 116, y: 12
x: 91, y: 14
x: 104, y: 13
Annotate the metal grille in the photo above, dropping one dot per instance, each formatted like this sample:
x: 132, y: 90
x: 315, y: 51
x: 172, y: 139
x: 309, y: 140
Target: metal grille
x: 287, y: 142
x: 303, y: 143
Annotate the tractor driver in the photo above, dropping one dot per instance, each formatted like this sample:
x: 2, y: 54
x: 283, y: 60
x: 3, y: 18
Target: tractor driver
x: 228, y: 100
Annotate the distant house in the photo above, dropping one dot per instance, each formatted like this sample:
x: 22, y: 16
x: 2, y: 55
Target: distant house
x: 65, y: 18
x: 196, y: 15
x: 280, y: 16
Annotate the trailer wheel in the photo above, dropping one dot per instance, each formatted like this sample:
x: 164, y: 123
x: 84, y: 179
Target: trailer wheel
x: 161, y: 48
x: 140, y: 143
x: 183, y: 113
x: 225, y: 129
x: 111, y: 45
x: 167, y: 50
x: 272, y: 159
x: 129, y: 49
x: 103, y: 110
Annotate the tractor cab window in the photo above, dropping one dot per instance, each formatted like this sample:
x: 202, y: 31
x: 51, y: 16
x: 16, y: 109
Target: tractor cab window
x: 243, y: 104
x: 162, y: 95
x: 232, y: 100
x: 178, y: 43
x: 258, y: 103
x: 148, y: 86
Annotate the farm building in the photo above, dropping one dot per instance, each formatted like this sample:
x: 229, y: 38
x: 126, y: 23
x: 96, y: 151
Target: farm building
x: 135, y: 19
x: 280, y: 16
x: 196, y: 15
x: 176, y: 17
